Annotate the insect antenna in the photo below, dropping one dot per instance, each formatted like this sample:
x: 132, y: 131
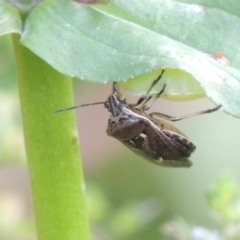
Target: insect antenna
x: 78, y: 106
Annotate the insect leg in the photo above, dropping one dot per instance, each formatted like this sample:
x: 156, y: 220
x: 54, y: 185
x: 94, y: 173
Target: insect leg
x: 174, y: 119
x: 145, y: 108
x: 116, y: 90
x: 146, y: 97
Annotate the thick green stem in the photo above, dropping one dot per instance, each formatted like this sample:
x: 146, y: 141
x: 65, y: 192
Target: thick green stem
x: 52, y: 149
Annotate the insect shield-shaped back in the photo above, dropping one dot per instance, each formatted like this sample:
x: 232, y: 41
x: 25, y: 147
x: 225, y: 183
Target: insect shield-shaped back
x: 146, y: 136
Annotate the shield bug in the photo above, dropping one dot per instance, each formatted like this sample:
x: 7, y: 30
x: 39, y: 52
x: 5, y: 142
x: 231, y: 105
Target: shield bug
x: 147, y: 134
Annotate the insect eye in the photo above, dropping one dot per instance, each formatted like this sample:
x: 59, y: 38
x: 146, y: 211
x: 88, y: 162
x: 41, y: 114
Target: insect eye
x: 106, y: 105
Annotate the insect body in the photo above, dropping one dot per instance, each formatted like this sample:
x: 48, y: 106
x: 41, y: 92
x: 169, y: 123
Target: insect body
x: 147, y: 134
x: 154, y: 139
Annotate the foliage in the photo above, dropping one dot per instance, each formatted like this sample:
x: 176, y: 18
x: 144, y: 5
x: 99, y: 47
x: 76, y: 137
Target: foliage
x: 116, y: 40
x: 224, y: 201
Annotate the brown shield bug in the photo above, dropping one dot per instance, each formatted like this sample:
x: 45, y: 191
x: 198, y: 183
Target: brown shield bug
x: 147, y: 134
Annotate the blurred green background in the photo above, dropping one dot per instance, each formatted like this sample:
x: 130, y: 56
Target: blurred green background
x: 128, y: 197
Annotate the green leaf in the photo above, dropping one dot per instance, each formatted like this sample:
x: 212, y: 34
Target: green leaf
x: 181, y: 86
x: 10, y: 21
x: 123, y: 39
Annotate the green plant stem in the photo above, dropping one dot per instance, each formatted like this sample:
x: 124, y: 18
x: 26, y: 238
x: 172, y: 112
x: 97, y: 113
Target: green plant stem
x: 52, y: 149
